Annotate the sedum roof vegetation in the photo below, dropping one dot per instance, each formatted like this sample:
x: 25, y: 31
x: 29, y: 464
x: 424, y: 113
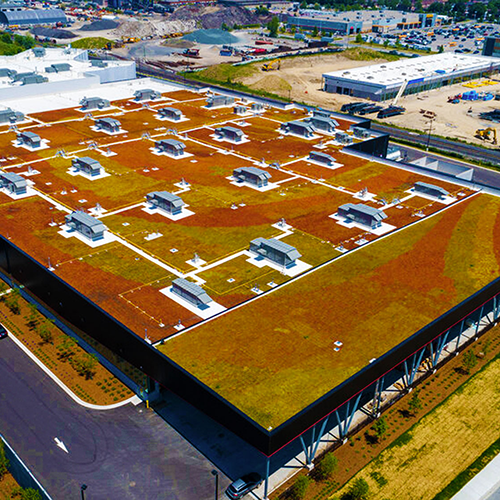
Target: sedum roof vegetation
x: 274, y: 356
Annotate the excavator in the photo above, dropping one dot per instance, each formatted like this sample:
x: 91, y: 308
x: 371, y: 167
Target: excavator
x: 271, y: 65
x: 484, y: 134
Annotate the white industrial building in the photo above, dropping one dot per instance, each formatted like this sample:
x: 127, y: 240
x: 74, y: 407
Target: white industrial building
x: 380, y: 82
x: 17, y: 82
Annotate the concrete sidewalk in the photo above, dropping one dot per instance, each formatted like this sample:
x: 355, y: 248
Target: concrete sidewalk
x: 483, y: 486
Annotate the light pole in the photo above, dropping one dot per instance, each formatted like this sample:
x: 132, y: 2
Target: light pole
x: 216, y: 474
x: 83, y: 487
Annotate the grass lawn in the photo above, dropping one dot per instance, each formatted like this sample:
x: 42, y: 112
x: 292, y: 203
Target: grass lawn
x: 407, y: 280
x: 442, y: 444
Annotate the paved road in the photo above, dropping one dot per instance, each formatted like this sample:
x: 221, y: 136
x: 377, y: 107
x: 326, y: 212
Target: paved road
x: 125, y: 453
x: 472, y: 152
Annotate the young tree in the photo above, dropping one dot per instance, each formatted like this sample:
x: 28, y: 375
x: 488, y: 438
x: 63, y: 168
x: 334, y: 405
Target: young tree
x: 4, y: 461
x: 359, y: 38
x: 469, y: 361
x: 326, y: 467
x: 358, y: 491
x: 12, y: 302
x: 299, y: 488
x: 415, y: 403
x: 67, y: 347
x: 380, y: 427
x: 44, y: 330
x: 273, y: 26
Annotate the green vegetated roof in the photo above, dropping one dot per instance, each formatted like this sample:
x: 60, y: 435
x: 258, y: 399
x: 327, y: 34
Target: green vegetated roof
x: 274, y: 356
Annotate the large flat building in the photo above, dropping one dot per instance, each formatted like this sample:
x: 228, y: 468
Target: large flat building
x: 380, y: 82
x: 54, y: 70
x: 281, y: 347
x: 491, y: 46
x: 348, y: 23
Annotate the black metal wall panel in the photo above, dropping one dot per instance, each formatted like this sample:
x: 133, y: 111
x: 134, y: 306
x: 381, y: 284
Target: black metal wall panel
x: 79, y: 311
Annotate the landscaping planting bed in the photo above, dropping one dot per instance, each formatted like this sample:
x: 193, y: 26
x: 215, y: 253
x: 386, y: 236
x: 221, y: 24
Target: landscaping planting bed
x: 96, y: 385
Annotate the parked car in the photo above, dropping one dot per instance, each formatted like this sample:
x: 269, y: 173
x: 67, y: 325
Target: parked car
x: 3, y: 332
x: 243, y: 485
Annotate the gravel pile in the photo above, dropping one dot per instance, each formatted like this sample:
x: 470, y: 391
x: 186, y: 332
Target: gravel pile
x: 101, y: 25
x: 53, y: 33
x: 212, y: 17
x: 212, y: 37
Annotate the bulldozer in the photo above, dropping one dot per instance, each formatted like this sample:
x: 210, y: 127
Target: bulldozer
x: 484, y: 134
x: 271, y: 65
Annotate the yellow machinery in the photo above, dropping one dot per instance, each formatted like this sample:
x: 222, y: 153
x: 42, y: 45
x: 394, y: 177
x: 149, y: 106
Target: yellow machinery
x: 271, y: 65
x: 484, y: 134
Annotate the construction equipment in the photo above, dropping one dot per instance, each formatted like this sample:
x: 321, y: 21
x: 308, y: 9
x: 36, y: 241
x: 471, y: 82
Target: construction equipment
x: 484, y: 134
x: 400, y: 92
x: 428, y: 114
x: 192, y: 53
x: 271, y: 65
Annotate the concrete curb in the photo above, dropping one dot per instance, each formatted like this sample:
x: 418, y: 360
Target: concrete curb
x: 134, y: 399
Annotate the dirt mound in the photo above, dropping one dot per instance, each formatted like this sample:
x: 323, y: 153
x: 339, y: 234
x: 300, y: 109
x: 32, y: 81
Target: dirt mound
x: 213, y: 17
x: 103, y: 24
x: 140, y: 29
x: 178, y: 43
x: 272, y: 83
x: 53, y: 33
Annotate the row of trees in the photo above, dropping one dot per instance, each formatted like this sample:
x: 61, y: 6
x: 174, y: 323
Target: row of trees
x: 21, y: 493
x: 84, y: 363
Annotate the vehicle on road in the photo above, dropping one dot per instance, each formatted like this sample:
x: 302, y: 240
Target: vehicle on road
x: 245, y: 484
x: 3, y: 332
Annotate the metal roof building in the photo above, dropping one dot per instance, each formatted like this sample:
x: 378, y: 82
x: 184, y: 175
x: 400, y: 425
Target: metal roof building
x: 362, y: 214
x: 252, y: 175
x: 32, y: 17
x: 13, y: 183
x: 380, y: 82
x: 146, y: 95
x: 324, y: 158
x: 231, y: 133
x: 108, y: 124
x: 10, y: 116
x: 164, y: 200
x: 170, y: 146
x: 94, y: 103
x: 430, y: 189
x: 275, y: 251
x: 87, y: 165
x: 170, y: 113
x: 298, y: 128
x: 30, y: 139
x: 191, y: 292
x: 86, y: 225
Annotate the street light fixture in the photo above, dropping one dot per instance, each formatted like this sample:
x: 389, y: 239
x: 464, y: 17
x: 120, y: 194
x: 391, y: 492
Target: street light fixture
x: 83, y: 487
x: 216, y: 474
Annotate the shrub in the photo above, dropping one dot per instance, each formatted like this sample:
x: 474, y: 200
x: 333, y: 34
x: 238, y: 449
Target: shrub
x: 4, y: 461
x: 469, y: 361
x: 300, y: 487
x: 380, y: 427
x: 358, y: 491
x: 326, y: 467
